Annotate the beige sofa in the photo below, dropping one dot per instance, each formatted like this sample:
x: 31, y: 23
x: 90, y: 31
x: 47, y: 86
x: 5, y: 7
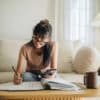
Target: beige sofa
x: 9, y: 54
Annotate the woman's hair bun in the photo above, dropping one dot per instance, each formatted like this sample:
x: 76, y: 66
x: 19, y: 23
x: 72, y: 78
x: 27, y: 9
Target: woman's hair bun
x: 45, y: 21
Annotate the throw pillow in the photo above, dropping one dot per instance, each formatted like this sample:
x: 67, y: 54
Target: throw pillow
x: 86, y: 59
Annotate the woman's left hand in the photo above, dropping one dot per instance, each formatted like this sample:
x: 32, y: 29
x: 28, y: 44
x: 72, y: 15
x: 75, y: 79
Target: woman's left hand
x: 49, y: 76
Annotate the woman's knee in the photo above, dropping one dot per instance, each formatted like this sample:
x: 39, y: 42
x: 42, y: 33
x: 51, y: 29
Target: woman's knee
x: 27, y: 76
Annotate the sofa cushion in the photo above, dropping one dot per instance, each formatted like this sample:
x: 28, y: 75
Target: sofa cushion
x: 65, y: 56
x: 87, y: 59
x: 6, y: 77
x: 75, y: 77
x: 9, y: 50
x: 72, y: 77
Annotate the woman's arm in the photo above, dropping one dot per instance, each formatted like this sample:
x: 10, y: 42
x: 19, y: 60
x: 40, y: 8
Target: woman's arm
x: 20, y: 65
x: 53, y: 59
x: 54, y: 55
x: 21, y: 61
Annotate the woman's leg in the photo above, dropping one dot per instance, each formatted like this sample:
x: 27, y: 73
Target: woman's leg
x: 28, y: 76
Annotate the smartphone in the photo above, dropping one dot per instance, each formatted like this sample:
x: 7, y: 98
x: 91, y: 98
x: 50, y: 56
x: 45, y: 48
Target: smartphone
x: 50, y: 71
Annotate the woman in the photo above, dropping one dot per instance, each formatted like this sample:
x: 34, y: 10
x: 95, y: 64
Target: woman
x: 40, y: 54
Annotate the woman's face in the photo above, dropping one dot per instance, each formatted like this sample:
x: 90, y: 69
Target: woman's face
x: 39, y: 41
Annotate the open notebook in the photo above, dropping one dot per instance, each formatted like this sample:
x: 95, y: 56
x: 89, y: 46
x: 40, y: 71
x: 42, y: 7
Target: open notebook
x: 54, y: 83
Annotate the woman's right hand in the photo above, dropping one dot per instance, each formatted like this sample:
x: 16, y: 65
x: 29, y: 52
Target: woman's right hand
x: 17, y: 79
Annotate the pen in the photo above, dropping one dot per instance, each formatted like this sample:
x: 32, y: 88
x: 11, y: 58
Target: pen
x: 14, y: 70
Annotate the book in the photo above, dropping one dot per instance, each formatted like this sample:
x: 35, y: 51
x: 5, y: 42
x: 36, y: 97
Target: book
x: 56, y: 83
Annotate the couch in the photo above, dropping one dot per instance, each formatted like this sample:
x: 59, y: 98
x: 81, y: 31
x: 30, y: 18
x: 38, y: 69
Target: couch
x: 9, y: 50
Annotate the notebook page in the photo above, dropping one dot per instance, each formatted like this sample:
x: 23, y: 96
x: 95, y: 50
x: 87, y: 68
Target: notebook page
x: 59, y: 83
x: 22, y: 86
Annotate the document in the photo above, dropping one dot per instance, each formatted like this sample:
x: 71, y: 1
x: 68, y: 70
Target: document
x: 56, y: 83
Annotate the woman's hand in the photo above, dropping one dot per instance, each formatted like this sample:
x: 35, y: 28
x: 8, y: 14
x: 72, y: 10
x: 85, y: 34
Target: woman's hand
x: 17, y: 79
x: 50, y: 76
x: 47, y: 76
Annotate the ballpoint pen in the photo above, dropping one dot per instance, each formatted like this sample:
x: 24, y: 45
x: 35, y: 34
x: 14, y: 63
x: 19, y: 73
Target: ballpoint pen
x: 14, y: 70
x: 19, y: 80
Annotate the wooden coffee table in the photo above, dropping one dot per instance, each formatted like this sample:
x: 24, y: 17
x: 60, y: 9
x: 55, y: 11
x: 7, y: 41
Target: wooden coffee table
x: 49, y: 95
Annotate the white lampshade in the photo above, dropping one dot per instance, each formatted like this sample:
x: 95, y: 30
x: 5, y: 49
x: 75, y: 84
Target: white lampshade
x: 96, y: 21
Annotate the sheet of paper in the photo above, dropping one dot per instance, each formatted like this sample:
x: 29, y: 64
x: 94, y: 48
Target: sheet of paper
x: 22, y: 86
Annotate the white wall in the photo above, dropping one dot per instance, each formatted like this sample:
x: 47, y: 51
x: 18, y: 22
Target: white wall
x: 17, y: 17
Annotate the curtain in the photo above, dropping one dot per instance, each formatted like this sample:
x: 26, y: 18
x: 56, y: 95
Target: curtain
x: 73, y: 20
x: 78, y: 16
x: 57, y: 14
